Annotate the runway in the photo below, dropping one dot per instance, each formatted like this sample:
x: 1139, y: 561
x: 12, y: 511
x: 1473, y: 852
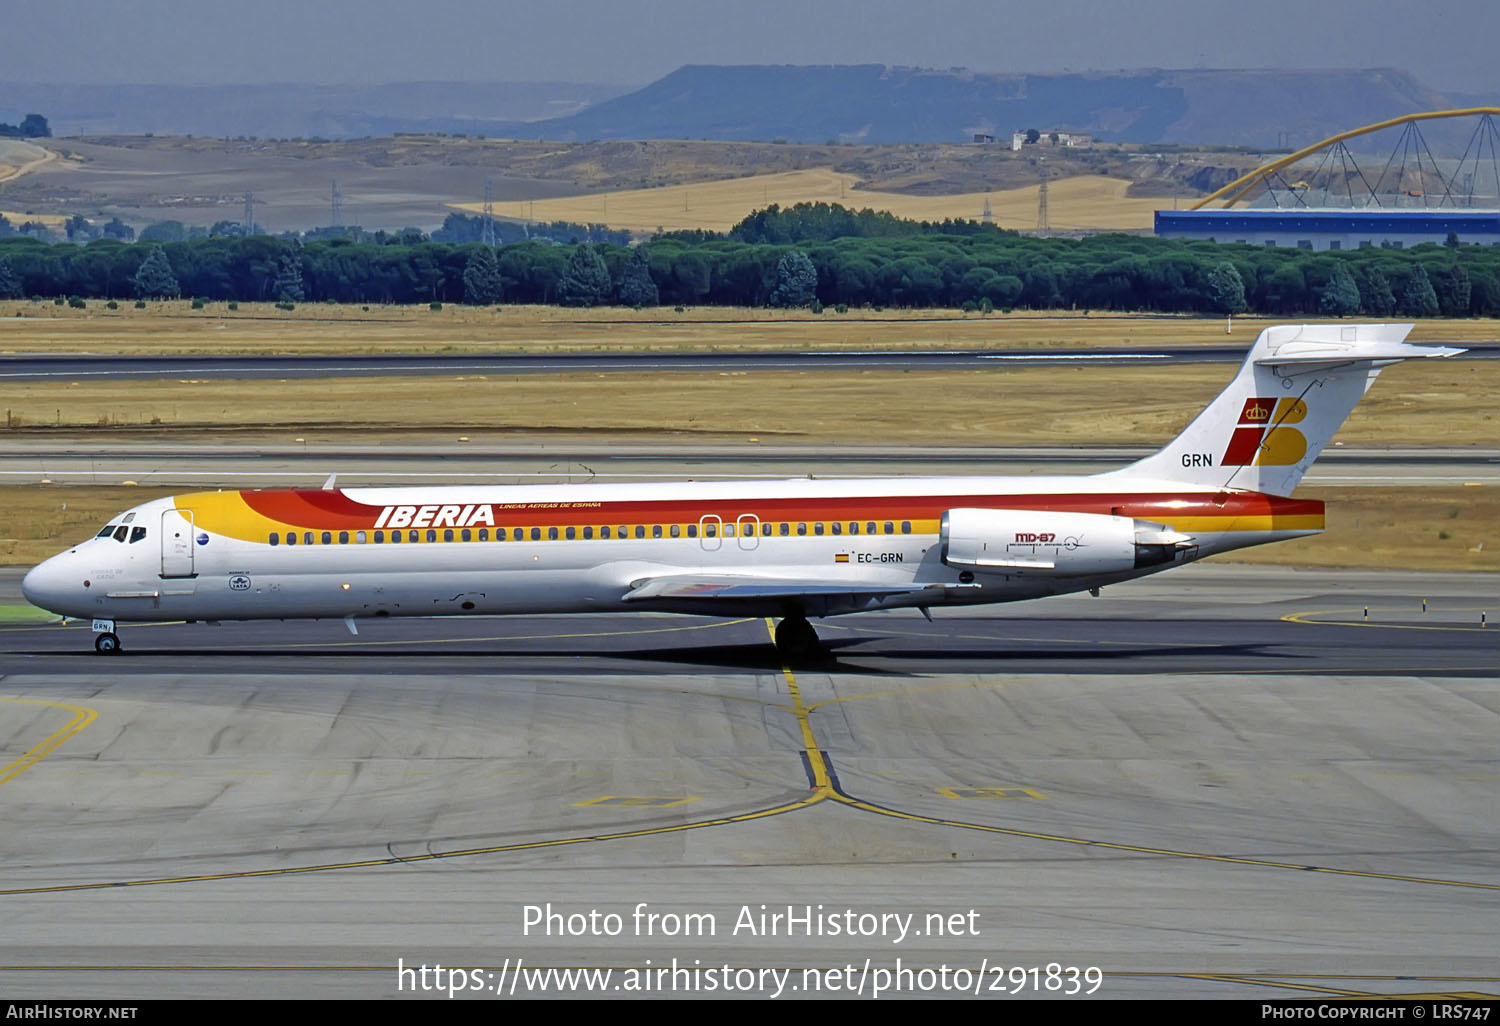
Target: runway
x: 1220, y: 782
x: 548, y: 459
x: 81, y: 366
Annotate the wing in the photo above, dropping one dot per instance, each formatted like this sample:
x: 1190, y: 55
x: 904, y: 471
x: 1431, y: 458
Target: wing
x: 732, y: 586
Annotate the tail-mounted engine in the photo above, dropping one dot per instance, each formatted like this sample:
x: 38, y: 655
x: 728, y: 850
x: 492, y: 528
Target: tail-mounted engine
x: 1058, y: 544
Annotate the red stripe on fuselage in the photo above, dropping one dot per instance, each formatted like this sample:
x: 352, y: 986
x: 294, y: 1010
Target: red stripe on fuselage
x: 333, y: 510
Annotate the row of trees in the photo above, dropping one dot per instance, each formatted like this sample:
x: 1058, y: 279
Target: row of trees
x: 32, y: 126
x: 981, y: 269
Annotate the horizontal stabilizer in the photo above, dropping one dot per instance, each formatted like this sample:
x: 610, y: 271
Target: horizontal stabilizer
x: 1305, y: 351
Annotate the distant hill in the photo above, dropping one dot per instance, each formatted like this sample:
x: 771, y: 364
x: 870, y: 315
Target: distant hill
x: 879, y: 104
x: 293, y: 110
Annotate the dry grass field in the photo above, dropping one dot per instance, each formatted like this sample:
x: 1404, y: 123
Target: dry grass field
x: 1448, y: 403
x: 1440, y: 403
x: 1077, y: 203
x: 174, y: 329
x: 1456, y: 528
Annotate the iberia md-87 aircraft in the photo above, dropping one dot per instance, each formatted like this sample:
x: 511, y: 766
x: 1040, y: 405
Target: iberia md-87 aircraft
x: 790, y: 549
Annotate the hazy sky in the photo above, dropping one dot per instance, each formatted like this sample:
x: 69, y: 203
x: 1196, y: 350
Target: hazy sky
x: 1448, y: 44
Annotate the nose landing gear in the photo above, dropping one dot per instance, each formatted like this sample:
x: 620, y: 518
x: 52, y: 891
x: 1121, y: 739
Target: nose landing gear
x: 107, y: 643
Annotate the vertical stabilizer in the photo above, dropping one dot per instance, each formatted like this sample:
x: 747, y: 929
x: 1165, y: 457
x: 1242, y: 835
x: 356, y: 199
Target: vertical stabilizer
x: 1296, y: 387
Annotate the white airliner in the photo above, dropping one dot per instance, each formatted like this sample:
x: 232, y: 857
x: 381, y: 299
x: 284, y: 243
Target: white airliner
x: 789, y: 549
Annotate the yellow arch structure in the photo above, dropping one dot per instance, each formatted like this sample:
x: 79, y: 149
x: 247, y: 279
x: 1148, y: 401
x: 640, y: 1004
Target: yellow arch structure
x: 1234, y: 191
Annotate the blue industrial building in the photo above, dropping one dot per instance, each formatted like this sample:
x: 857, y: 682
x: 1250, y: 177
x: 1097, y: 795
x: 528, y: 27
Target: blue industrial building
x: 1310, y: 228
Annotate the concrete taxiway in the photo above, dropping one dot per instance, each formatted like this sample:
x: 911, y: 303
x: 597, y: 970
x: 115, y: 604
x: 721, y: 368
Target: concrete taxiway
x: 1221, y: 782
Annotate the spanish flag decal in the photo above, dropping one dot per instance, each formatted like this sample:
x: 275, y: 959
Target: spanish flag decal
x: 841, y: 557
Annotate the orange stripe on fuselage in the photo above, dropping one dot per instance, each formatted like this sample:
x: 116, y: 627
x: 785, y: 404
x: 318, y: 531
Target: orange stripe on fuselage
x: 250, y: 515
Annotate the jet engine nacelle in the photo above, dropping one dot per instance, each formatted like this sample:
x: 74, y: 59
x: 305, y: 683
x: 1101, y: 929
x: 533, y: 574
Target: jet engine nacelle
x: 1057, y: 544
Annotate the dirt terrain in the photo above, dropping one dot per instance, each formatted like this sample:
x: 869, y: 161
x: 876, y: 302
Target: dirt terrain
x: 412, y: 180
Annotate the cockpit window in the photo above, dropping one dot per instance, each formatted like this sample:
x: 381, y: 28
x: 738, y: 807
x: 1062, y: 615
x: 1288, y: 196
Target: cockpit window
x: 136, y: 534
x: 121, y: 532
x: 109, y: 529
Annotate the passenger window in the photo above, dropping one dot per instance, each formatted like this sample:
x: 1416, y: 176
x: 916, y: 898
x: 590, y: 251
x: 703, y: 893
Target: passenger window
x: 870, y: 527
x: 906, y: 527
x: 432, y: 536
x: 275, y: 538
x: 786, y: 528
x: 692, y: 530
x: 603, y: 532
x: 890, y: 528
x: 801, y: 529
x: 395, y: 537
x: 818, y: 527
x: 620, y: 532
x: 677, y: 530
x: 728, y: 530
x: 465, y: 535
x: 291, y: 538
x: 484, y: 534
x: 536, y: 534
x: 588, y: 534
x: 838, y: 528
x: 447, y: 535
x: 552, y: 534
x: 343, y: 537
x: 765, y: 529
x: 656, y: 530
x: 121, y: 532
x: 640, y: 530
x: 709, y: 531
x: 136, y: 534
x: 359, y: 537
x: 307, y: 537
x: 412, y: 536
x: 854, y: 527
x: 572, y: 533
x: 327, y: 537
x: 379, y: 537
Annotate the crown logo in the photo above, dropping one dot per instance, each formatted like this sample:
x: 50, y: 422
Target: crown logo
x: 1258, y: 413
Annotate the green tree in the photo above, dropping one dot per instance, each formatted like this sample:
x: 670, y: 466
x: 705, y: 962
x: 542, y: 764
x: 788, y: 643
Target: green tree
x: 1417, y: 297
x: 34, y: 126
x: 585, y: 279
x: 154, y: 279
x: 288, y: 285
x: 117, y: 229
x: 1452, y: 287
x: 482, y: 283
x: 10, y: 285
x: 1375, y: 296
x: 1340, y: 297
x: 1226, y: 289
x: 637, y: 287
x: 796, y: 280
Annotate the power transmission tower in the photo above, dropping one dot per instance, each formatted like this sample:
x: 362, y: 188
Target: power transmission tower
x: 488, y: 231
x: 249, y: 222
x: 338, y: 206
x: 1041, y: 203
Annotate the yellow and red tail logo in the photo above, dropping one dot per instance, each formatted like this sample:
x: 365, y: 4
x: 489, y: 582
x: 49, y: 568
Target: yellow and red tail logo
x: 1262, y: 437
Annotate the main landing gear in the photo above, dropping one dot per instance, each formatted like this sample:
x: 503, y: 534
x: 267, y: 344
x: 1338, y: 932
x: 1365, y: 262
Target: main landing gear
x: 107, y: 643
x: 795, y: 637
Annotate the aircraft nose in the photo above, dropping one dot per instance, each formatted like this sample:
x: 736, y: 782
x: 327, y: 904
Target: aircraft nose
x: 44, y: 586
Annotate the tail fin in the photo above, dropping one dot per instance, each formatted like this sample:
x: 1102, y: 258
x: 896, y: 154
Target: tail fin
x: 1296, y: 387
